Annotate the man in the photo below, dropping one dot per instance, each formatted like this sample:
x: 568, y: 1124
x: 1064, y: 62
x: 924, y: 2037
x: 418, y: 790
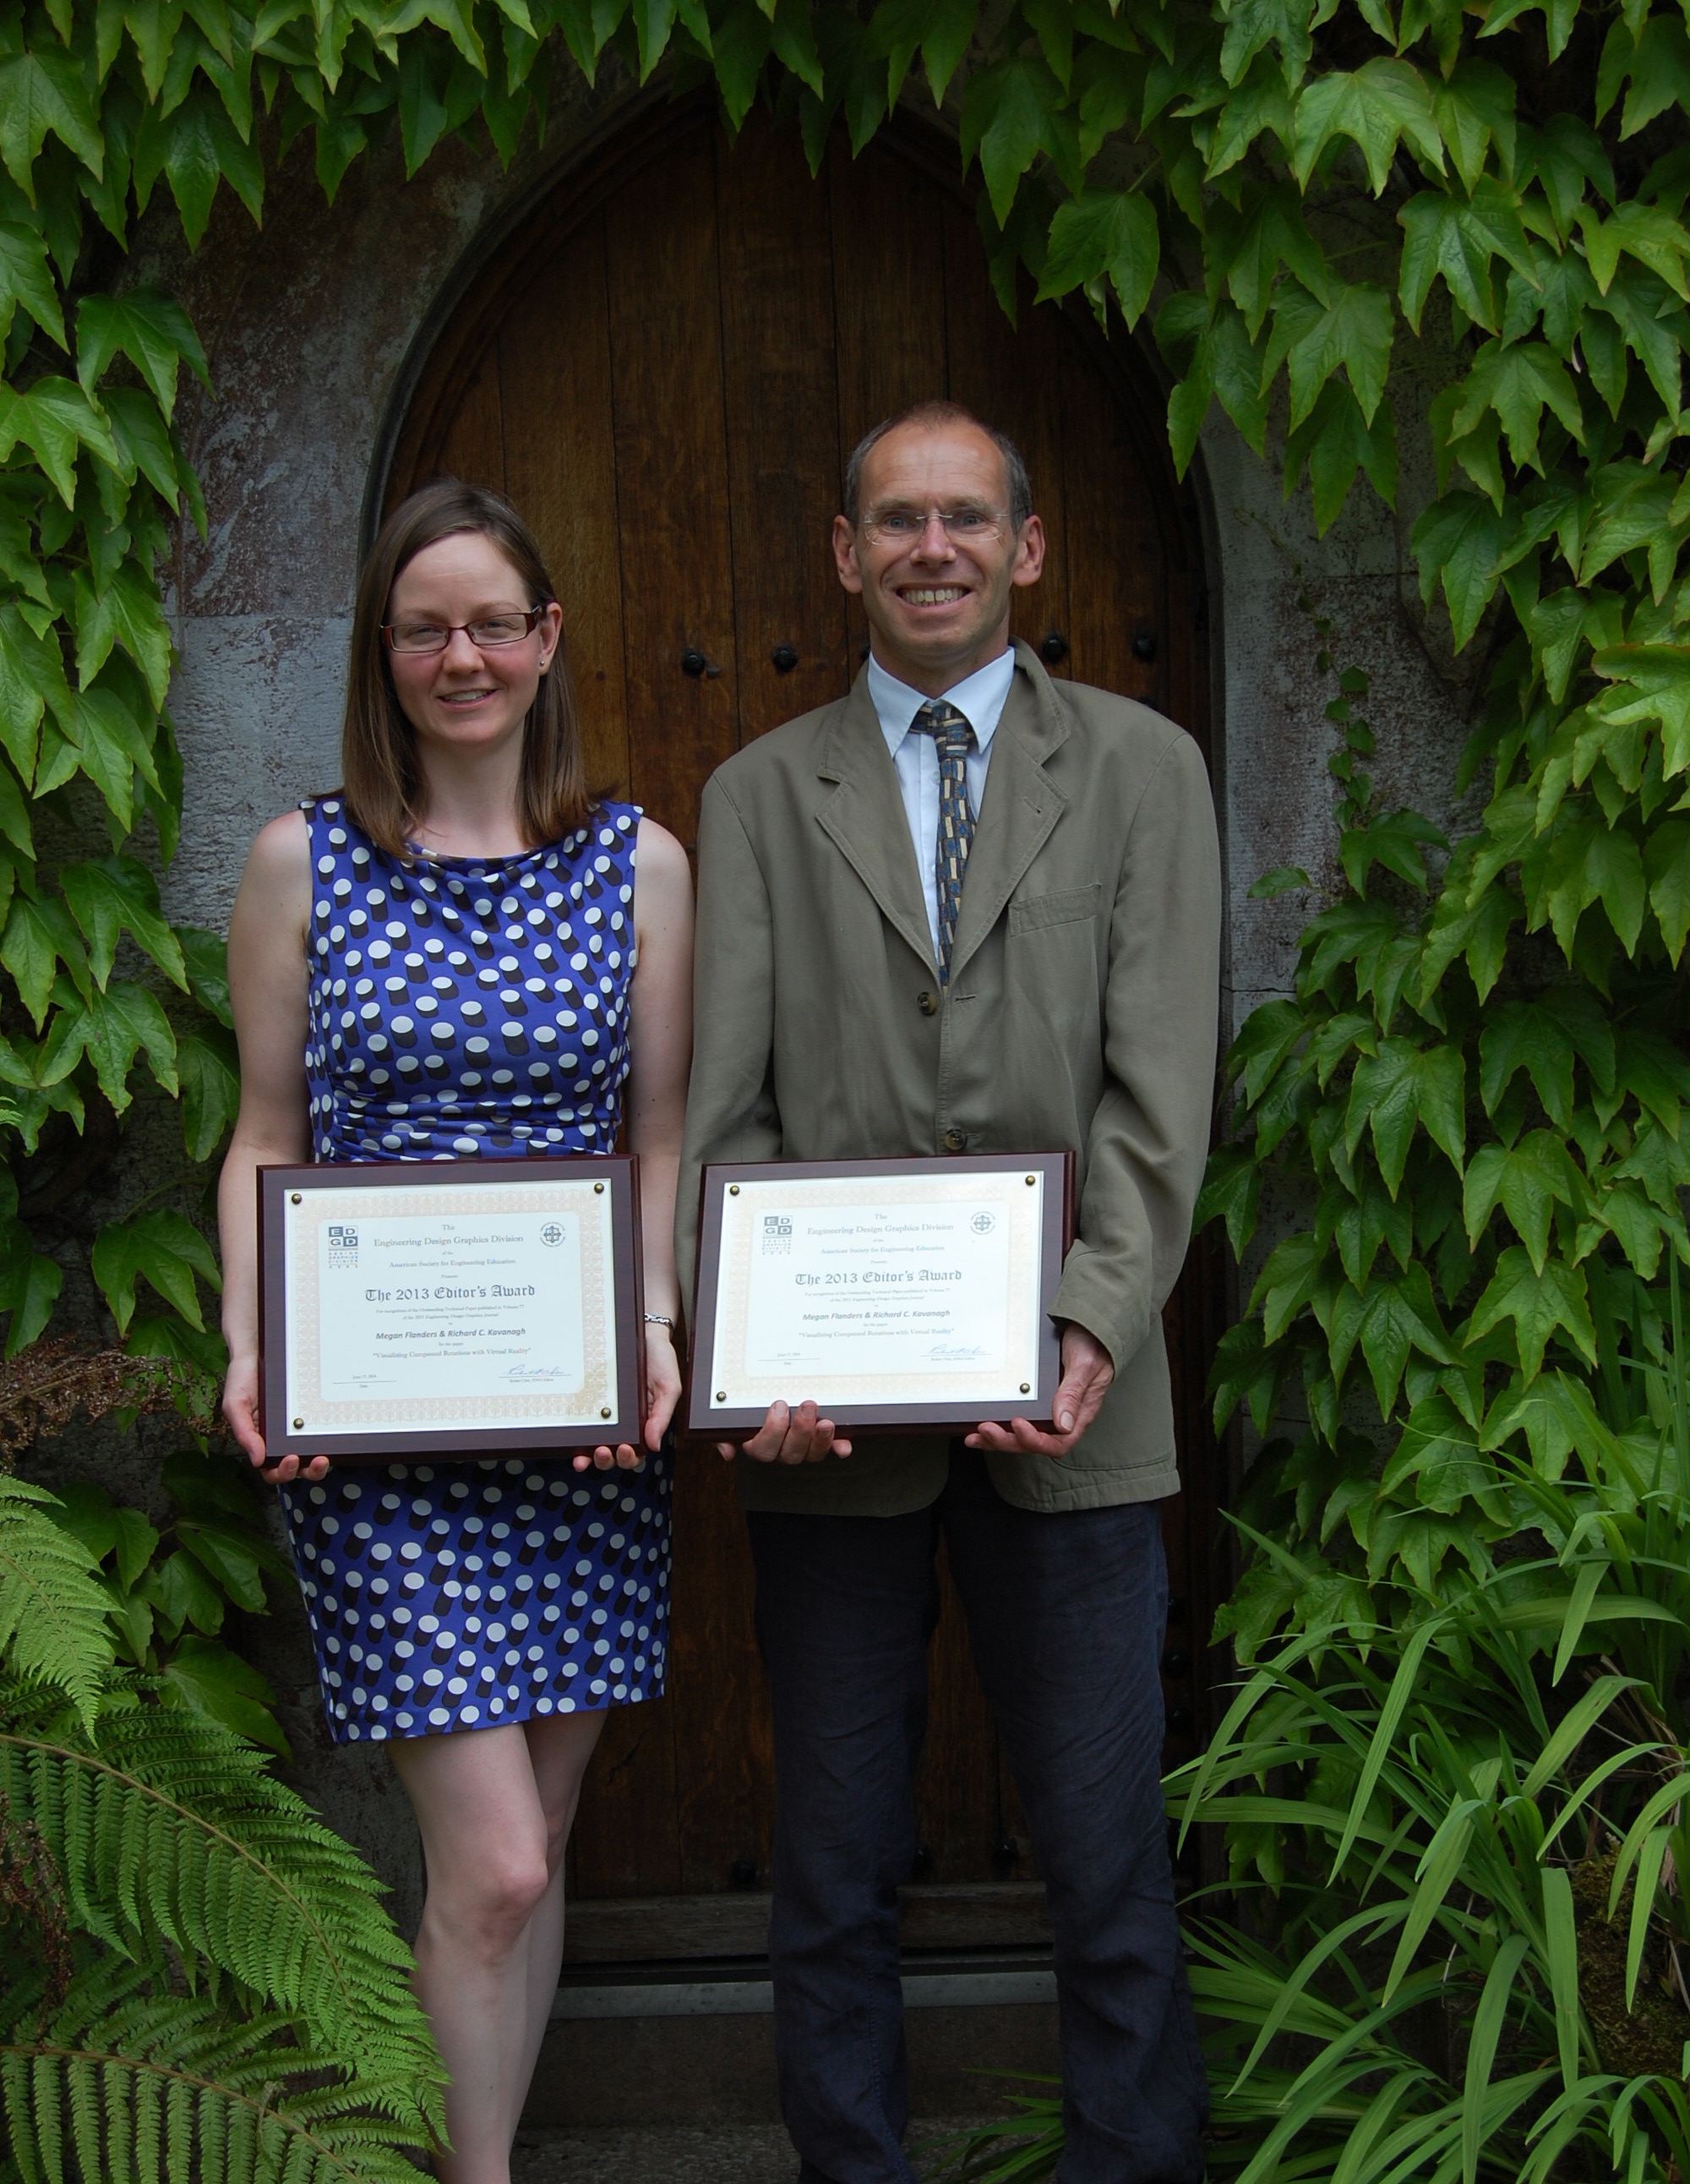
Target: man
x: 989, y: 922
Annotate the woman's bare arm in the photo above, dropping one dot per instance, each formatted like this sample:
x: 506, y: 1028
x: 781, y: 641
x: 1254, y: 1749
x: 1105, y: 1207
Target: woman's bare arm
x: 661, y: 1040
x: 267, y: 984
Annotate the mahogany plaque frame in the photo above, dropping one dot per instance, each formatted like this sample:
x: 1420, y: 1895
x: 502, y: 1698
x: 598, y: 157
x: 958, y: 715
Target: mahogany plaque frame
x: 618, y: 1173
x: 708, y: 1420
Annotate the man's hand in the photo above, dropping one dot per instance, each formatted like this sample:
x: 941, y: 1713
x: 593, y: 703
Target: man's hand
x: 1086, y: 1373
x: 790, y: 1436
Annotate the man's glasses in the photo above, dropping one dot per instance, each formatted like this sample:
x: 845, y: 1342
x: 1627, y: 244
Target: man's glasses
x: 903, y: 526
x: 414, y: 637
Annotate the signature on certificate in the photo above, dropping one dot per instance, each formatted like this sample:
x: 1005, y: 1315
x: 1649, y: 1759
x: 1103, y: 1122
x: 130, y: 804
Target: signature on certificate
x: 953, y: 1353
x: 534, y: 1373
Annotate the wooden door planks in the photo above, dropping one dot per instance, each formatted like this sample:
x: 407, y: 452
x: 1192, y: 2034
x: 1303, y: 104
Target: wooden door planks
x: 782, y: 426
x: 560, y: 472
x: 672, y: 479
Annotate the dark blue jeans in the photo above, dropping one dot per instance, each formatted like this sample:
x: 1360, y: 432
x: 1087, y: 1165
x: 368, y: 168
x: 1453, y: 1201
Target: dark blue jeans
x: 1065, y: 1614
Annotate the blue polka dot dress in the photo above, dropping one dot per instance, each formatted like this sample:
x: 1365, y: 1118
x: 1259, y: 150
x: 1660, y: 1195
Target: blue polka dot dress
x: 457, y: 1007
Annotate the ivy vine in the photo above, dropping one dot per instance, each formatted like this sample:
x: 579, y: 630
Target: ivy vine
x: 1482, y: 1077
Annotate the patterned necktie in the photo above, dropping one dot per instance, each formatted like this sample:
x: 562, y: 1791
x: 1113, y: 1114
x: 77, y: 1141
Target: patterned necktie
x: 953, y: 739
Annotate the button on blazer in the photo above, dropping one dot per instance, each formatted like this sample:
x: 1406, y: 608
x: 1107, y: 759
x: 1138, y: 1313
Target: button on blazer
x: 1081, y: 1012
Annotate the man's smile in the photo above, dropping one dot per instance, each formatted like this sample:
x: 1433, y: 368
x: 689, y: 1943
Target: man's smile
x: 932, y: 595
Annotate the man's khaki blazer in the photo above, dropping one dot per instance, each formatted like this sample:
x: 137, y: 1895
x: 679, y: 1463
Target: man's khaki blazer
x: 1082, y: 1011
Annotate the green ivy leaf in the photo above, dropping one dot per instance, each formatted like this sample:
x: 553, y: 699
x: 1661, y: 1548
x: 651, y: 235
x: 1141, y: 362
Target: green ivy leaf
x: 152, y: 330
x: 1252, y: 23
x: 1011, y: 112
x: 196, y: 147
x: 1382, y: 102
x: 1474, y: 109
x: 1528, y: 1180
x: 1647, y: 233
x: 127, y: 612
x: 1650, y: 683
x: 38, y: 937
x: 1335, y: 442
x: 180, y: 1593
x: 30, y: 1284
x: 110, y: 896
x: 43, y: 94
x: 1519, y: 382
x: 1402, y: 1088
x: 1269, y: 232
x: 1458, y: 543
x: 204, y: 1674
x: 1444, y: 235
x: 1391, y: 1320
x: 25, y: 279
x: 1111, y: 232
x: 116, y: 1025
x: 54, y: 420
x: 1231, y: 1191
x: 1538, y: 1304
x: 1355, y: 331
x: 1666, y: 866
x: 939, y: 30
x: 208, y: 1067
x: 1563, y: 156
x: 163, y: 1247
x: 1396, y: 840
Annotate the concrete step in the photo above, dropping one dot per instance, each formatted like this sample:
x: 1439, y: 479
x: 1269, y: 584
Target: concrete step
x: 694, y: 2043
x: 679, y: 2153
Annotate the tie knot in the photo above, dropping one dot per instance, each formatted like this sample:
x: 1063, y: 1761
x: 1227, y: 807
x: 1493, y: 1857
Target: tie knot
x: 950, y: 729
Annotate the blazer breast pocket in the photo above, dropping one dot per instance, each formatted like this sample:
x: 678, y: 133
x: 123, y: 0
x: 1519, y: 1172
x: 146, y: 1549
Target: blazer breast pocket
x: 1070, y: 906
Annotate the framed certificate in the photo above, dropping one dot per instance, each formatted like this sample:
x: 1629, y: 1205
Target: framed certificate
x: 896, y: 1293
x: 413, y: 1309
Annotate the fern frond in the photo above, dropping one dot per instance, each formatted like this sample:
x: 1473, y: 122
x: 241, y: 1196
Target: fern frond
x: 171, y: 1830
x: 125, y: 2080
x: 52, y: 1615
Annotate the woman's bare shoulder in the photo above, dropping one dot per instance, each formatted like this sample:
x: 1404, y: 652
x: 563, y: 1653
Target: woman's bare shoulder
x: 660, y: 856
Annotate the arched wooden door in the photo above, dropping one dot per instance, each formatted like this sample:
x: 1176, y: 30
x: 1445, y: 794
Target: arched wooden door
x: 665, y: 370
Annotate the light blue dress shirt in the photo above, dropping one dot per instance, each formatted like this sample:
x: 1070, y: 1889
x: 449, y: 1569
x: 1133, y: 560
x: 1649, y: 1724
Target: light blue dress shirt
x: 979, y: 697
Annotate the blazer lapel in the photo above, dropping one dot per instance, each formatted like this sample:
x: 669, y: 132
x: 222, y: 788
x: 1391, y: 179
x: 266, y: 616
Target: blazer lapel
x: 865, y: 818
x: 1022, y: 806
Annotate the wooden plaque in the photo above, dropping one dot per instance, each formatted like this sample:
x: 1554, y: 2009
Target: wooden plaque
x: 414, y: 1309
x: 895, y: 1293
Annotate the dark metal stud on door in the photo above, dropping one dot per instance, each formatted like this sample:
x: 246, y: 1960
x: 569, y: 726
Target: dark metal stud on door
x: 1144, y: 645
x: 694, y: 663
x: 784, y: 659
x: 1053, y: 649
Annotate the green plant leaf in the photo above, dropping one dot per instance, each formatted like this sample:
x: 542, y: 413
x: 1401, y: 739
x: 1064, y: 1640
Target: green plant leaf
x: 26, y: 279
x: 1458, y: 543
x: 1444, y: 237
x: 152, y: 330
x: 165, y: 1248
x: 1105, y: 232
x: 1382, y: 102
x: 205, y: 1674
x: 116, y: 1025
x: 110, y: 896
x: 41, y: 94
x: 1538, y: 1304
x: 54, y: 420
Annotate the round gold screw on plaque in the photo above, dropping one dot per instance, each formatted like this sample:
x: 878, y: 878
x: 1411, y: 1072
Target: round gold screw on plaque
x: 294, y: 1196
x: 298, y: 1425
x: 733, y: 1190
x: 1031, y: 1179
x: 599, y: 1188
x: 605, y: 1412
x: 1026, y: 1387
x: 721, y: 1395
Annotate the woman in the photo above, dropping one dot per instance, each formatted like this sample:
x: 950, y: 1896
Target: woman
x: 465, y: 813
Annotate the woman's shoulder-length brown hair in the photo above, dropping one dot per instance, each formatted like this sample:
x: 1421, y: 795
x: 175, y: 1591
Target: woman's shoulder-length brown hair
x: 382, y: 785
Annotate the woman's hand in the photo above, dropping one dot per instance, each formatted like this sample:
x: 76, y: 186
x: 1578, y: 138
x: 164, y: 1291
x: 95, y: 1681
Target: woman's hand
x: 662, y: 1394
x: 240, y: 1415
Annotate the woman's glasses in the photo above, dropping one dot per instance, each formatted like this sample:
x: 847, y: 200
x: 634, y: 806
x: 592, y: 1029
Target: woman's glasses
x: 415, y: 636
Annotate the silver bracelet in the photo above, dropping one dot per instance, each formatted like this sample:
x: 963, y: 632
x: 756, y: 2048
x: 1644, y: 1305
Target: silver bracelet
x: 659, y: 1319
